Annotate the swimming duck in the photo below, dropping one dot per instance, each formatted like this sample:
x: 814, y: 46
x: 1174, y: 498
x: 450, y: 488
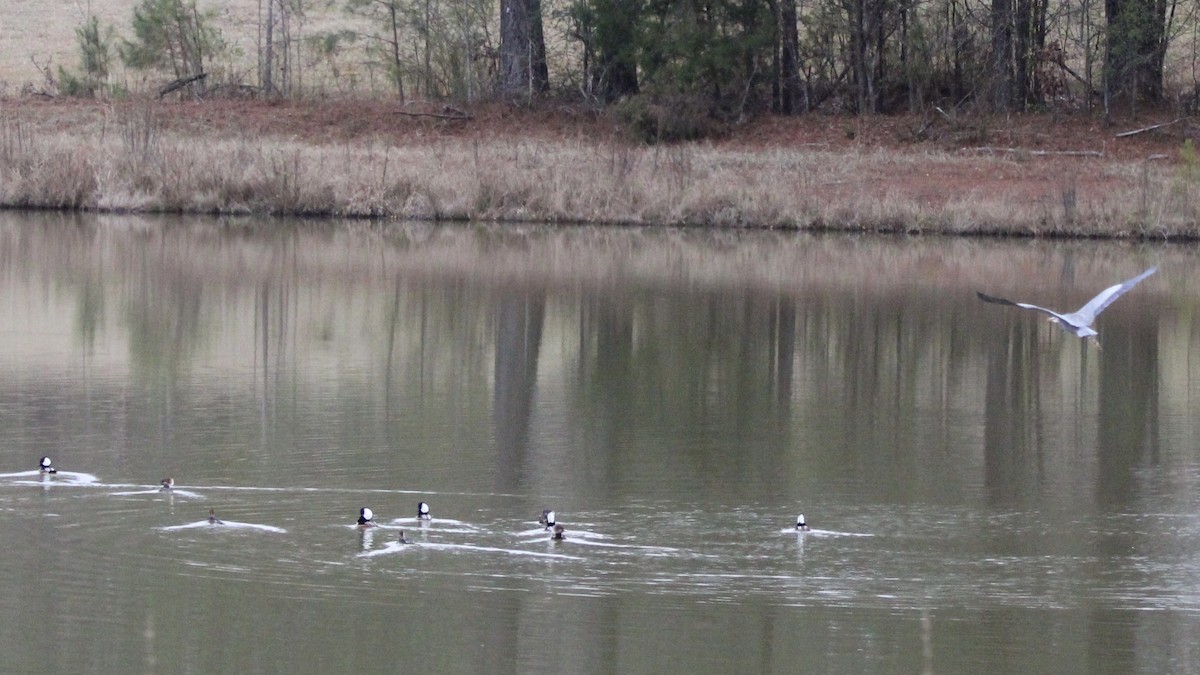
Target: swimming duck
x: 366, y: 518
x: 559, y: 533
x: 546, y: 520
x: 46, y: 466
x: 167, y: 484
x: 423, y: 511
x: 212, y: 518
x: 801, y: 526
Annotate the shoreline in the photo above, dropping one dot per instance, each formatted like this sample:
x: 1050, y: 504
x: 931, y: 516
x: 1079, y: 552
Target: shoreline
x: 372, y: 160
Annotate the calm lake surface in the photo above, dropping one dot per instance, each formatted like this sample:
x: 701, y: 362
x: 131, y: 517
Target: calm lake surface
x: 986, y: 493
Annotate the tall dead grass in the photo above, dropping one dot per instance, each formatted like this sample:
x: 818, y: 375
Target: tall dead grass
x: 131, y: 162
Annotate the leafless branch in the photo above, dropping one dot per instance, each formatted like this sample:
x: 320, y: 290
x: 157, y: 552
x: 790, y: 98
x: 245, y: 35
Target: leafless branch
x: 1152, y: 127
x: 1035, y: 153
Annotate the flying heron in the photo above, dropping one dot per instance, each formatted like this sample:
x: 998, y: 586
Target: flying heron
x: 1080, y: 321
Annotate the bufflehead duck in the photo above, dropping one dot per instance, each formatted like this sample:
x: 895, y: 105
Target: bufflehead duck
x: 801, y: 526
x: 366, y: 518
x: 559, y: 533
x: 46, y: 466
x: 423, y: 511
x: 547, y: 519
x: 402, y: 540
x: 212, y: 518
x: 167, y: 484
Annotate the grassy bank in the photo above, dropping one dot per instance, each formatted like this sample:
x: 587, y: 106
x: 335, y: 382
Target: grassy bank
x: 152, y: 157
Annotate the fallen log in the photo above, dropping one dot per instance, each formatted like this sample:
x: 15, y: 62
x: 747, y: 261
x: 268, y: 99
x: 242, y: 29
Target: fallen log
x: 447, y: 114
x: 1037, y: 153
x: 180, y: 84
x: 1152, y: 127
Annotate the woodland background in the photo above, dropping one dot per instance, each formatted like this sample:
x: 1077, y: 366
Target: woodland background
x: 674, y: 68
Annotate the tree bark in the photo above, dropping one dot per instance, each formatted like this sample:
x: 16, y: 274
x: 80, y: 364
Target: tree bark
x: 858, y: 54
x: 523, y: 69
x: 1022, y: 53
x: 268, y: 74
x: 396, y: 70
x: 789, y: 62
x: 1002, y: 75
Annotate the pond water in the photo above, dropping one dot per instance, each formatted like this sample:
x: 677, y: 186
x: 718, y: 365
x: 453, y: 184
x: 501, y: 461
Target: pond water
x: 986, y: 493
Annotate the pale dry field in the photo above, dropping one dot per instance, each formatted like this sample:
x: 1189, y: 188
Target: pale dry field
x: 40, y: 34
x: 43, y: 31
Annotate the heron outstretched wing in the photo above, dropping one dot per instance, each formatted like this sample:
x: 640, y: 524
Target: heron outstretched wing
x: 1022, y: 305
x: 1088, y: 313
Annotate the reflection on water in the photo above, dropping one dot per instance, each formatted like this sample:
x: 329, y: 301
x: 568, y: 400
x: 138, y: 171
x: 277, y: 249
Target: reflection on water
x: 984, y: 491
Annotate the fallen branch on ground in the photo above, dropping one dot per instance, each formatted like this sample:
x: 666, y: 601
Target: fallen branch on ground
x: 447, y: 114
x: 180, y: 84
x: 1037, y: 153
x: 1152, y: 127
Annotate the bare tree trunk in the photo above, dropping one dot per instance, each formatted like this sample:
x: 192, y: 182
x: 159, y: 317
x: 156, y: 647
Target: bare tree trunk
x: 858, y: 53
x: 523, y: 67
x: 268, y: 74
x: 878, y: 55
x: 1022, y: 54
x: 396, y: 50
x: 259, y: 45
x: 789, y: 62
x: 428, y: 55
x: 466, y: 45
x: 1001, y: 54
x: 299, y: 42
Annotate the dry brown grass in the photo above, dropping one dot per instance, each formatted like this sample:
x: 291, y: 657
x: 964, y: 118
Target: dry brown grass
x: 138, y: 157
